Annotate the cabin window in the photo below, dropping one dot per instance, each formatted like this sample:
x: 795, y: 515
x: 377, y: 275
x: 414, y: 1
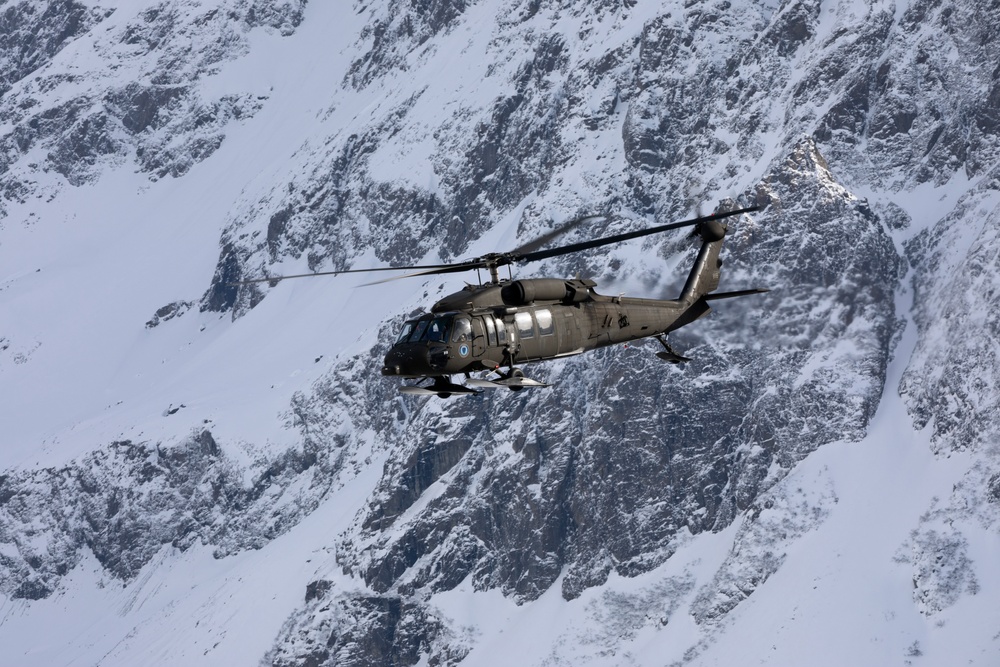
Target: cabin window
x: 491, y: 332
x: 501, y: 332
x: 544, y: 317
x: 405, y: 333
x: 462, y: 332
x: 525, y: 326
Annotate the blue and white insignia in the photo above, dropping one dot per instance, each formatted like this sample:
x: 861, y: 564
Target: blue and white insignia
x: 464, y: 350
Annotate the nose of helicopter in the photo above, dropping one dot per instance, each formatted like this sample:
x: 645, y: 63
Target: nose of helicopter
x: 407, y: 359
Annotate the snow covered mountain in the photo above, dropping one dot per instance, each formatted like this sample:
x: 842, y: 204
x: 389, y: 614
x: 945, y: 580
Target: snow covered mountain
x: 198, y: 473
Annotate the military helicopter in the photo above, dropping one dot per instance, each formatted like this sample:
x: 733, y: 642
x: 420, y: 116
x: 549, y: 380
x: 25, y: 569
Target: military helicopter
x: 494, y: 326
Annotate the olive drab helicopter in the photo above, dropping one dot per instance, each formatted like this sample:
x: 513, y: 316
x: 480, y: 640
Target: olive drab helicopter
x: 496, y: 325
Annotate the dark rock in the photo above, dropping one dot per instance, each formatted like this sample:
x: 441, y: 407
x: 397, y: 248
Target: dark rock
x: 168, y: 312
x: 367, y: 630
x: 318, y: 589
x: 223, y: 293
x: 76, y: 152
x: 794, y: 27
x: 406, y: 25
x: 282, y: 16
x: 31, y: 34
x: 276, y: 228
x: 142, y: 107
x: 31, y: 590
x: 994, y: 489
x: 423, y: 468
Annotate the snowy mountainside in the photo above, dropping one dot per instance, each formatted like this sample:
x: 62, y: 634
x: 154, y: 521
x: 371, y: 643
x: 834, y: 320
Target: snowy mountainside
x: 956, y: 395
x: 178, y: 450
x: 148, y: 107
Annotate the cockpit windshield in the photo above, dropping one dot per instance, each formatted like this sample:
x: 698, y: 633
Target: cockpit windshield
x: 435, y: 330
x: 418, y: 331
x: 405, y: 333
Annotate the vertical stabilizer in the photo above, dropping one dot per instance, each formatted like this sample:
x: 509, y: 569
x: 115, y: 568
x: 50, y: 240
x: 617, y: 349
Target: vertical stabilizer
x: 704, y: 276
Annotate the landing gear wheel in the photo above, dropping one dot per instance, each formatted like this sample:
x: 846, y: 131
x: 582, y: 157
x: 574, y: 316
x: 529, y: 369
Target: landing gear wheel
x: 516, y: 373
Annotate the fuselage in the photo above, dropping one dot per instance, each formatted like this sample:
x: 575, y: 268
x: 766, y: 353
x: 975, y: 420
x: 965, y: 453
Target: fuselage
x: 489, y: 326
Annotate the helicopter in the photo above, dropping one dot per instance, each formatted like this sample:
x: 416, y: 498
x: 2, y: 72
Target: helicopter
x: 495, y: 325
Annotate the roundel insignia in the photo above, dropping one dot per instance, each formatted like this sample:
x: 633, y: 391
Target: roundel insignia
x: 464, y: 350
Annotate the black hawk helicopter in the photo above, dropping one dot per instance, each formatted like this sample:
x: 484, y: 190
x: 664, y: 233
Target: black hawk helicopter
x: 496, y: 325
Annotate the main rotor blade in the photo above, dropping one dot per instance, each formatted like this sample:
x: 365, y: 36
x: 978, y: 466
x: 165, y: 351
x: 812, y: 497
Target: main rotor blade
x: 446, y: 268
x: 335, y: 273
x: 496, y: 259
x: 618, y: 238
x: 524, y: 253
x: 537, y: 243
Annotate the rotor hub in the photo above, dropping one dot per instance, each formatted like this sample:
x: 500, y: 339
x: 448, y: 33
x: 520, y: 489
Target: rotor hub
x: 711, y: 230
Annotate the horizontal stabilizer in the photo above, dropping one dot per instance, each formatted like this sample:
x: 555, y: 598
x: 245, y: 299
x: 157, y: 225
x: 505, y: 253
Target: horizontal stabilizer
x: 672, y: 357
x: 733, y: 295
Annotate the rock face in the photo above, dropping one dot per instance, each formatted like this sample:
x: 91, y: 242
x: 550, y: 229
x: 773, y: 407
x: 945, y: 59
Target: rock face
x: 147, y: 108
x: 956, y: 367
x: 611, y: 476
x: 125, y: 502
x: 366, y: 630
x: 837, y: 120
x: 31, y: 33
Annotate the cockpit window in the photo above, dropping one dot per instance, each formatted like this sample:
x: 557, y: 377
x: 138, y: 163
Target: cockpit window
x: 418, y: 331
x: 462, y: 332
x: 405, y: 333
x: 437, y: 330
x: 415, y: 331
